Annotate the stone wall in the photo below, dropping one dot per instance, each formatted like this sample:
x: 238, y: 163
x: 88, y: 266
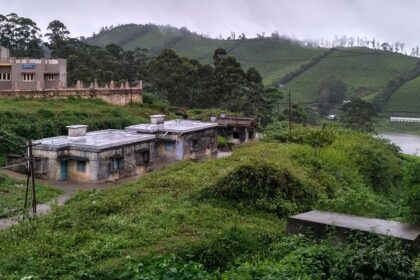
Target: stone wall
x: 117, y: 96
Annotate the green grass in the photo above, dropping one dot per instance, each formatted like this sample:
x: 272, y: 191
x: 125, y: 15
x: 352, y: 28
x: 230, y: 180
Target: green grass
x: 35, y: 119
x: 170, y: 211
x: 12, y: 195
x: 406, y: 99
x: 365, y: 71
x: 44, y: 118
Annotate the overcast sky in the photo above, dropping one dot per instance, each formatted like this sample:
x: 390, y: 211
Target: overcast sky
x: 391, y: 20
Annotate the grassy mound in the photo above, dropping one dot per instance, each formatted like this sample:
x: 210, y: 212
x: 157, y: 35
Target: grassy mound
x: 104, y: 234
x: 267, y: 188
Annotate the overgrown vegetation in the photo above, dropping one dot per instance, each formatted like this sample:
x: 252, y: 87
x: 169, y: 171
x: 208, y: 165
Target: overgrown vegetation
x: 217, y: 218
x: 22, y: 119
x: 12, y: 195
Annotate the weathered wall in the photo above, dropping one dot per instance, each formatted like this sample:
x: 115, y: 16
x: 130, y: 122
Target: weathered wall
x: 206, y: 146
x: 112, y: 96
x: 128, y: 153
x: 97, y: 164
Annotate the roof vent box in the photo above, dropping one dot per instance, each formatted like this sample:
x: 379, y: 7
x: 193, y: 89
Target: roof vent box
x: 157, y: 119
x: 77, y: 130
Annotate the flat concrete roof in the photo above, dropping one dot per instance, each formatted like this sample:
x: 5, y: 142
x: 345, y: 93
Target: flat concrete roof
x: 173, y: 126
x: 378, y: 226
x: 93, y: 141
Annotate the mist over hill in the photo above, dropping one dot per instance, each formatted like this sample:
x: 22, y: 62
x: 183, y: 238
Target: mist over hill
x: 366, y: 72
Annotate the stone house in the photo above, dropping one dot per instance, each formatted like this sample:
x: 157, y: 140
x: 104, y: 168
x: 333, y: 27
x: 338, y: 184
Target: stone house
x: 180, y: 139
x: 98, y: 156
x: 30, y: 74
x: 235, y: 129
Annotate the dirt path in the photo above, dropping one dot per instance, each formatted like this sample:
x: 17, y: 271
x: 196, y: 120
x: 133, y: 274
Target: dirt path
x: 69, y: 190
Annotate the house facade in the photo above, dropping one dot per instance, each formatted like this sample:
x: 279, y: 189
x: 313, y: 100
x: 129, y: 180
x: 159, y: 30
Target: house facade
x: 235, y: 129
x: 180, y: 139
x: 98, y: 156
x: 30, y: 74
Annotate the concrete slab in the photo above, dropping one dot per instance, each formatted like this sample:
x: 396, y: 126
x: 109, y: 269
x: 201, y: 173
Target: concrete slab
x: 93, y: 141
x: 318, y: 221
x: 172, y: 126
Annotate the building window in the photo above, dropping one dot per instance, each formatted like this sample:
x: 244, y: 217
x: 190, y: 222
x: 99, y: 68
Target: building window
x: 194, y: 144
x: 116, y: 164
x: 27, y: 77
x: 50, y: 77
x: 81, y: 166
x: 169, y: 146
x: 142, y: 157
x: 4, y: 76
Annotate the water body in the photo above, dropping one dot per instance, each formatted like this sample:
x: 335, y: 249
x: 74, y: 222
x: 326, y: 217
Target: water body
x: 409, y: 143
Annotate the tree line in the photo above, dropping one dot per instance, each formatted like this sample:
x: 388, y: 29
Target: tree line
x: 181, y: 81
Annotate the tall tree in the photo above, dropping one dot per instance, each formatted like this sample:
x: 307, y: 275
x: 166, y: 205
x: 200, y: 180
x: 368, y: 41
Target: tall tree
x: 358, y: 115
x: 21, y: 35
x: 58, y: 38
x: 331, y: 92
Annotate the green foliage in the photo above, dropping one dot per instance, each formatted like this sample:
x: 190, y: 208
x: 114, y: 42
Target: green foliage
x: 412, y: 185
x: 162, y: 267
x: 331, y: 93
x: 380, y: 167
x: 220, y: 251
x: 298, y: 115
x: 264, y: 187
x: 223, y: 143
x: 12, y: 195
x: 320, y: 138
x: 21, y: 35
x: 358, y: 114
x: 104, y: 234
x: 374, y: 257
x: 300, y: 257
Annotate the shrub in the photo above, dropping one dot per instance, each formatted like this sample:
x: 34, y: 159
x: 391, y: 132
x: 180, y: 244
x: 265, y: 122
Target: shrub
x: 223, y: 143
x: 274, y: 190
x: 374, y: 257
x: 222, y: 249
x: 380, y: 166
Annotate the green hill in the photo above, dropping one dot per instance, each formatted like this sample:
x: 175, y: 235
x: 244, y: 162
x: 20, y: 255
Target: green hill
x: 208, y: 212
x: 272, y: 57
x: 406, y: 99
x: 365, y: 71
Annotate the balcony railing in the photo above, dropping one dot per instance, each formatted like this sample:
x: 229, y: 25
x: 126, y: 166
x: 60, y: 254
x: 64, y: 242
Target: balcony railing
x: 11, y: 60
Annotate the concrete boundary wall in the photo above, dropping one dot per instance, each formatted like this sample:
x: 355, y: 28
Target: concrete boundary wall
x: 118, y: 96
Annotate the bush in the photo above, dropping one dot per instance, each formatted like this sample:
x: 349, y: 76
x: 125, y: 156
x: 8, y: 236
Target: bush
x: 221, y: 250
x: 266, y: 188
x: 300, y: 257
x: 380, y: 166
x: 223, y: 144
x: 374, y: 257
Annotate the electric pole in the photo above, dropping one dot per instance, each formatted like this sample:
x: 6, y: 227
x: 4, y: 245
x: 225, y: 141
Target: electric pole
x: 30, y: 177
x: 290, y: 114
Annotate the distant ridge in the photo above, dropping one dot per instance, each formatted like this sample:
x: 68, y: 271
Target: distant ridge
x: 365, y: 71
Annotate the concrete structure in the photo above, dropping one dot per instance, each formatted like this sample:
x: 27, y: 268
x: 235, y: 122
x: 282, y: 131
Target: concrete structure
x: 180, y: 139
x: 116, y: 96
x: 236, y: 130
x: 31, y: 73
x: 319, y: 221
x: 402, y: 119
x: 99, y: 156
